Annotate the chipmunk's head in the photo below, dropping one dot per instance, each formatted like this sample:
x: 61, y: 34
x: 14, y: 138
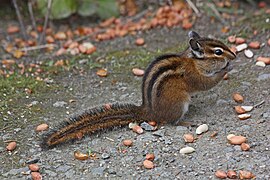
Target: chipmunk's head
x: 211, y: 53
x: 205, y: 48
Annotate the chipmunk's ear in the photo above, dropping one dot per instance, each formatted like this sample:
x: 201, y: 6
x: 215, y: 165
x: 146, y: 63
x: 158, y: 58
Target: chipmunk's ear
x: 196, y: 48
x: 193, y: 35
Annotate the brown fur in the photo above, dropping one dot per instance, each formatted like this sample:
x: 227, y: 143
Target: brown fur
x: 167, y: 86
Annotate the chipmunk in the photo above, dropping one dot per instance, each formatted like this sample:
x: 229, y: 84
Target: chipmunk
x: 167, y: 86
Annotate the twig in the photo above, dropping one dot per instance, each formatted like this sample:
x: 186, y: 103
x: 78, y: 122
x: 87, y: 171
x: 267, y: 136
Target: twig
x: 193, y: 7
x: 20, y: 19
x: 258, y: 104
x: 46, y: 21
x: 109, y: 139
x: 213, y: 8
x: 30, y: 9
x: 38, y: 47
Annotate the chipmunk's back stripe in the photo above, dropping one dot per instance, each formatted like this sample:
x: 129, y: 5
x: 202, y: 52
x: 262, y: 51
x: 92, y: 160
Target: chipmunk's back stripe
x: 147, y: 90
x: 154, y: 78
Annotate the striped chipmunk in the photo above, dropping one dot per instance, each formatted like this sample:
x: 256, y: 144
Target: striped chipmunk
x: 167, y: 85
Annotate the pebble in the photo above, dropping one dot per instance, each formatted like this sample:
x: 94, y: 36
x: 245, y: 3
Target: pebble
x: 147, y: 126
x: 98, y: 171
x: 263, y: 77
x: 187, y: 150
x: 32, y: 161
x: 59, y: 104
x: 201, y: 129
x: 105, y: 155
x: 248, y: 53
x: 159, y: 133
x: 131, y: 125
x: 241, y: 47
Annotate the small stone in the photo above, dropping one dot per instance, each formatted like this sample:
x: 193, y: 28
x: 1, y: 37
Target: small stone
x: 105, y: 155
x: 241, y: 47
x: 131, y: 125
x: 59, y: 104
x: 98, y: 171
x: 263, y: 77
x: 32, y: 161
x: 147, y: 126
x: 160, y: 133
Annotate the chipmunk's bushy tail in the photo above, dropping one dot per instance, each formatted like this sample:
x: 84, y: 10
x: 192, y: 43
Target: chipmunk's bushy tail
x: 91, y: 121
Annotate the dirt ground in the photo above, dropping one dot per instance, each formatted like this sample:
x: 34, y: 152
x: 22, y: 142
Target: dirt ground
x: 115, y: 161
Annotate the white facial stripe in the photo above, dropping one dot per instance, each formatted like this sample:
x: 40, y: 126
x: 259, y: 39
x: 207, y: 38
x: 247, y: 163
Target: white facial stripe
x: 216, y: 48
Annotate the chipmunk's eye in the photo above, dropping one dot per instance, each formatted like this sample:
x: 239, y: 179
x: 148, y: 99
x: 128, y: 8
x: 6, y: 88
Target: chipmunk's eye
x: 218, y: 51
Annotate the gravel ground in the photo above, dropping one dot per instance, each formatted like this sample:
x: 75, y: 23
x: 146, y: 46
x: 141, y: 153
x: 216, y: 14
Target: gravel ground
x: 115, y: 161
